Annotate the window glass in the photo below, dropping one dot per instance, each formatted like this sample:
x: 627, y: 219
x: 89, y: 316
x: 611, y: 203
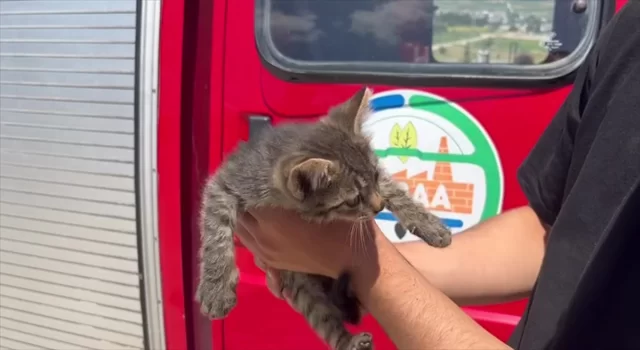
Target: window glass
x: 517, y: 32
x: 425, y: 36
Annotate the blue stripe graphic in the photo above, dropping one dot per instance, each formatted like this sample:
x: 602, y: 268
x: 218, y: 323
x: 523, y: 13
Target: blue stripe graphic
x: 451, y: 223
x: 386, y: 102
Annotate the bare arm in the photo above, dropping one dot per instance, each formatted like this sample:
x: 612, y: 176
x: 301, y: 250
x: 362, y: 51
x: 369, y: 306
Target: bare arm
x: 423, y: 318
x: 495, y: 261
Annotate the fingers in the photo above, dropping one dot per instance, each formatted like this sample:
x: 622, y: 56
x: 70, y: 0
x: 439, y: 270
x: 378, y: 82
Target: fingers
x: 246, y: 226
x: 248, y: 221
x: 286, y: 295
x: 269, y: 214
x: 247, y: 230
x: 249, y: 242
x: 244, y: 234
x: 260, y: 264
x: 274, y: 283
x: 246, y: 238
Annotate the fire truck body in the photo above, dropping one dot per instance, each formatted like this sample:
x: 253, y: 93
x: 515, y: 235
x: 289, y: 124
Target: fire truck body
x: 79, y: 257
x: 113, y: 113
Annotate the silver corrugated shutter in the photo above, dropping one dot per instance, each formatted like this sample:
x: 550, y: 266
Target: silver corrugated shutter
x: 69, y: 275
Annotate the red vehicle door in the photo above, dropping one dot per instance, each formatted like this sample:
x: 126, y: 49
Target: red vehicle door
x: 463, y: 90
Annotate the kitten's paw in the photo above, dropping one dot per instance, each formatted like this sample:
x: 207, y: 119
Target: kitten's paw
x: 436, y: 235
x: 215, y: 302
x: 362, y: 341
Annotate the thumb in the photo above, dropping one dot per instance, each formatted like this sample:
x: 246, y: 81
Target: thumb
x: 274, y: 283
x: 288, y: 297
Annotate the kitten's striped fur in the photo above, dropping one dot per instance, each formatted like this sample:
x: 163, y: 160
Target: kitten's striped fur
x: 323, y: 170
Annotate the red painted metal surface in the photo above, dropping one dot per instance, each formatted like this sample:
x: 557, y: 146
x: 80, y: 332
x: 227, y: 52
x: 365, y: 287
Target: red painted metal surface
x: 169, y: 180
x: 216, y: 125
x: 259, y: 320
x: 210, y: 83
x: 199, y: 142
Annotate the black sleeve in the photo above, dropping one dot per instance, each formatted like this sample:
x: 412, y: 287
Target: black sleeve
x: 543, y: 174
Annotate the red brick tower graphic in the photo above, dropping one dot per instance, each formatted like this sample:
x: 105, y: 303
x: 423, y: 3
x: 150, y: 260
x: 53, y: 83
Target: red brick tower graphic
x: 443, y: 172
x: 459, y: 195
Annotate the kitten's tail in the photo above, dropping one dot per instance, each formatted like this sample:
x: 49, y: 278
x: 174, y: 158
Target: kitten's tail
x: 218, y: 272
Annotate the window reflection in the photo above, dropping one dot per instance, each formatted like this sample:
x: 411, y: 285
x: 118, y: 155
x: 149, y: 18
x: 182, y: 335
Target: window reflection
x: 467, y: 31
x: 518, y: 32
x: 352, y: 30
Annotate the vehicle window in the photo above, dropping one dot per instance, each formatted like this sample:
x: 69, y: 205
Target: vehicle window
x: 481, y: 37
x: 517, y: 32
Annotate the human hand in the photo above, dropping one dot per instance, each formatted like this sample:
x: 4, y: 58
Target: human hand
x: 284, y: 241
x: 274, y: 284
x: 273, y: 281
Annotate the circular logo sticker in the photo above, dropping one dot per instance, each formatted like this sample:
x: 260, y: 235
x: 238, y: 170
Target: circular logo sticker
x: 440, y: 154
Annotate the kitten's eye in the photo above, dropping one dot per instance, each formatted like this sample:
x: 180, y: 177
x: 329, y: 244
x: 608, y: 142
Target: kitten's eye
x: 354, y: 202
x: 376, y: 176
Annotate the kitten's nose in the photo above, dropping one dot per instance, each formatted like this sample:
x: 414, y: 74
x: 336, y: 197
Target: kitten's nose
x: 377, y: 203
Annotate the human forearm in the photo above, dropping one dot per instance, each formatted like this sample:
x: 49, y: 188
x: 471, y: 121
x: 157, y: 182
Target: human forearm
x: 495, y: 261
x: 413, y: 313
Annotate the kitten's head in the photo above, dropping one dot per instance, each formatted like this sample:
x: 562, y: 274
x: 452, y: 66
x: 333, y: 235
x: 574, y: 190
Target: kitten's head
x: 335, y: 173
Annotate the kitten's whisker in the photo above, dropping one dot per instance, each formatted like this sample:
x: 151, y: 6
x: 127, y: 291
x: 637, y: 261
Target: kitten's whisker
x: 366, y: 234
x: 351, y: 235
x: 359, y: 232
x: 361, y: 236
x: 354, y: 236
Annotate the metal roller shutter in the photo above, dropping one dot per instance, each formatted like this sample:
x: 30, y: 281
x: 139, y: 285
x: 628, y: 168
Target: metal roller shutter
x: 69, y: 261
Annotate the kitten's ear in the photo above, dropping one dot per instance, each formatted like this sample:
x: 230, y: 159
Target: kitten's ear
x: 309, y: 176
x: 351, y: 114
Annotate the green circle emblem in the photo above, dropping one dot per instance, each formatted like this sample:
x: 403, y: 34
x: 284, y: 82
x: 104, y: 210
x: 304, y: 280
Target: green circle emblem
x: 440, y: 153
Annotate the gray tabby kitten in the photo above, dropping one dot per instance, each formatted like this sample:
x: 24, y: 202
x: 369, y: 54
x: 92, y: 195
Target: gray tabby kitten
x: 325, y: 170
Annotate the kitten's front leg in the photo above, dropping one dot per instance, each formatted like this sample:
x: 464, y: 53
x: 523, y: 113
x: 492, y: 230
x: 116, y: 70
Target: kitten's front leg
x: 414, y: 216
x: 218, y: 272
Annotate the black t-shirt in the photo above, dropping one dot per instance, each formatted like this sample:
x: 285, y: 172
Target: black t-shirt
x: 581, y: 179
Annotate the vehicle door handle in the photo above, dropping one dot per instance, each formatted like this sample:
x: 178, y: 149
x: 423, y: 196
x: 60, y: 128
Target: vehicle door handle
x: 257, y: 124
